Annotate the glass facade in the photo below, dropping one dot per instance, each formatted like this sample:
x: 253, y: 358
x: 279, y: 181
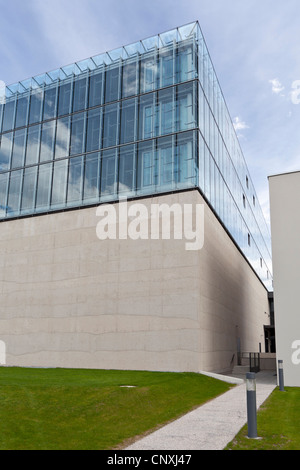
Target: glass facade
x: 143, y: 119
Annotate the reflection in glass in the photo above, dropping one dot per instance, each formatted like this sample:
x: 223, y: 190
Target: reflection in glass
x: 112, y: 84
x: 50, y: 103
x: 94, y: 127
x: 3, y: 192
x: 91, y: 177
x: 109, y: 173
x: 44, y: 187
x: 146, y: 166
x: 62, y: 137
x: 110, y: 125
x: 33, y: 144
x: 5, y: 150
x: 47, y: 141
x: 95, y: 91
x: 128, y: 121
x: 35, y: 111
x: 166, y: 168
x: 14, y: 192
x: 147, y: 116
x: 59, y: 185
x: 22, y: 111
x: 166, y: 111
x: 127, y: 173
x: 29, y: 189
x: 75, y: 181
x: 8, y: 116
x: 148, y: 74
x: 129, y: 79
x: 18, y: 153
x: 64, y: 99
x: 78, y: 134
x: 80, y: 93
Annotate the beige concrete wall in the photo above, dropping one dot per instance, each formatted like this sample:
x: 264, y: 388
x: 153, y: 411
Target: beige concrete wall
x: 69, y: 299
x: 285, y: 225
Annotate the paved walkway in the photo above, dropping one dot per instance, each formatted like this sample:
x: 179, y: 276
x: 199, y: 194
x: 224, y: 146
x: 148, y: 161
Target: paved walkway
x: 213, y: 425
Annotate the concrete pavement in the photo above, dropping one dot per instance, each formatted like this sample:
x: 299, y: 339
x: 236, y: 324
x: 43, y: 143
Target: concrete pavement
x: 213, y: 425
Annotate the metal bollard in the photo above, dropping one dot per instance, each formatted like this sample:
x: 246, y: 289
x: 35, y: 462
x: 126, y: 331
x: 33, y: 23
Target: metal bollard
x: 280, y: 373
x: 251, y: 405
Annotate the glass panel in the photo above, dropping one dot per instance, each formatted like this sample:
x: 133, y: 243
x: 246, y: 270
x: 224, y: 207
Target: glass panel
x: 148, y: 74
x: 109, y: 174
x: 166, y: 67
x: 14, y: 193
x: 128, y: 121
x: 75, y: 181
x: 64, y: 99
x: 92, y: 177
x: 47, y: 141
x: 146, y: 167
x: 80, y: 94
x: 166, y: 170
x: 3, y: 193
x: 78, y: 134
x: 127, y: 167
x: 22, y: 111
x: 110, y: 125
x: 95, y: 91
x: 35, y: 113
x: 129, y: 79
x: 185, y: 63
x: 33, y: 145
x: 147, y: 116
x: 59, y: 184
x: 50, y: 103
x: 186, y: 160
x: 166, y: 111
x: 44, y: 187
x: 8, y: 116
x: 62, y: 138
x: 186, y: 109
x: 18, y: 149
x: 29, y: 189
x: 93, y: 138
x: 112, y: 84
x: 5, y: 150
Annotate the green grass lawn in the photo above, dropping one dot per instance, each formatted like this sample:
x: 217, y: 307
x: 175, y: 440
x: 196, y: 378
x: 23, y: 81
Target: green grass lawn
x: 278, y: 424
x: 68, y: 409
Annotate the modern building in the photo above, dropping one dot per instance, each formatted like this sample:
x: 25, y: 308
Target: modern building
x: 147, y: 124
x: 285, y: 229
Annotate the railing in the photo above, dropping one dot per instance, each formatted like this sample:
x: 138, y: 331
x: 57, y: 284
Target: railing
x: 254, y: 359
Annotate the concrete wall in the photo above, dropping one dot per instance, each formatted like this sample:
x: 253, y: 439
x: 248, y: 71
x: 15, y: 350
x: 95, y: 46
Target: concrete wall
x: 69, y: 299
x: 285, y: 225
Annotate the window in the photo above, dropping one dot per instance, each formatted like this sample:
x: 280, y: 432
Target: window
x: 148, y: 74
x: 62, y: 137
x: 14, y: 192
x: 165, y: 163
x: 50, y: 99
x: 35, y: 112
x: 166, y: 108
x: 147, y: 117
x: 18, y: 153
x: 64, y: 99
x: 186, y: 114
x: 3, y: 193
x: 75, y: 181
x: 44, y: 187
x: 127, y: 169
x: 80, y: 94
x: 8, y: 116
x: 95, y: 89
x: 5, y: 150
x: 33, y: 145
x: 129, y: 79
x: 22, y: 111
x: 128, y: 120
x: 146, y: 166
x: 112, y: 84
x: 110, y: 125
x: 109, y: 173
x: 29, y: 189
x: 94, y: 128
x: 91, y: 177
x: 59, y: 185
x: 47, y: 141
x: 166, y: 63
x: 78, y: 134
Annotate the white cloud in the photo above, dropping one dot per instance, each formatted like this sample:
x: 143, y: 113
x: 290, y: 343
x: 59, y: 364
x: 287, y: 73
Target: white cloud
x: 239, y: 124
x: 277, y: 87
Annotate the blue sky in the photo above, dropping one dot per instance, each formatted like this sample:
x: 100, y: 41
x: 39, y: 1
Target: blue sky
x: 254, y: 45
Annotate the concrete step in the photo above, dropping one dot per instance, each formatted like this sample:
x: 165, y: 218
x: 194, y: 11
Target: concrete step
x: 240, y: 370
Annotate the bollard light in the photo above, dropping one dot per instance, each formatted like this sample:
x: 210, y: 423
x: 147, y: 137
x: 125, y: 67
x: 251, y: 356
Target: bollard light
x: 280, y: 373
x: 251, y: 405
